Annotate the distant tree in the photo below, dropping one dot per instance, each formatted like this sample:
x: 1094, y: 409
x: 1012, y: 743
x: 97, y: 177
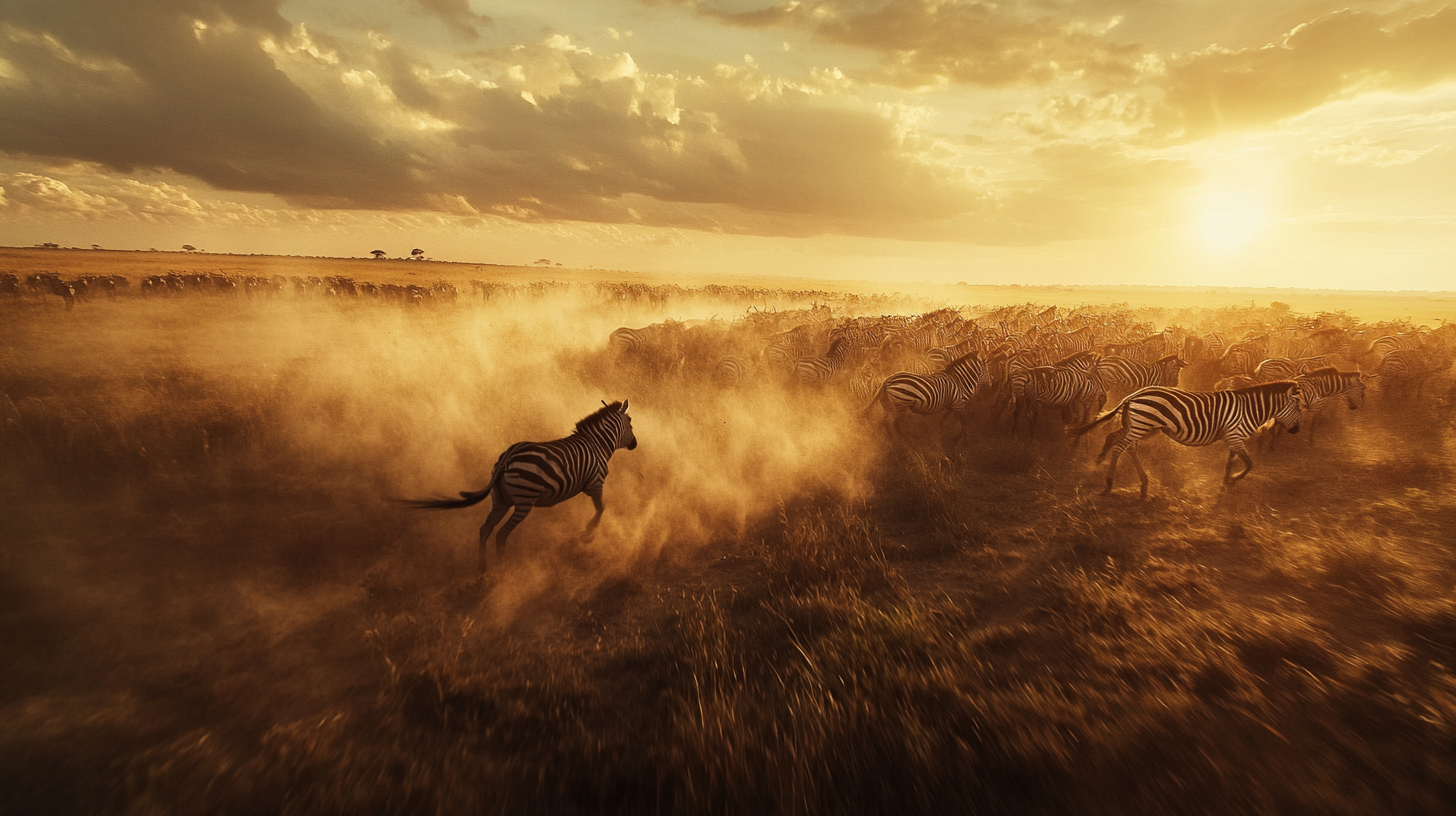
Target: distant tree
x: 558, y: 263
x: 417, y: 254
x: 543, y: 261
x: 377, y: 253
x: 1279, y: 306
x: 50, y: 245
x: 95, y: 246
x: 189, y: 248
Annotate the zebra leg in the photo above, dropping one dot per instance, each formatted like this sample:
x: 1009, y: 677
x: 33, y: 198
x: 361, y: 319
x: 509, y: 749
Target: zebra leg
x: 1112, y: 468
x: 497, y: 511
x: 517, y: 516
x: 963, y: 419
x: 1112, y: 439
x: 1241, y: 452
x: 591, y: 526
x: 1142, y: 474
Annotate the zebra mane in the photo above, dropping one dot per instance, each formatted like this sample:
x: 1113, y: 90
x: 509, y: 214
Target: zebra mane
x: 595, y: 418
x: 1072, y: 358
x: 1329, y: 371
x: 1275, y: 387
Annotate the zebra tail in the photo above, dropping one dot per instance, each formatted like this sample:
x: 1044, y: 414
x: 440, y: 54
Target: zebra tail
x: 466, y: 499
x: 875, y: 400
x: 1081, y: 430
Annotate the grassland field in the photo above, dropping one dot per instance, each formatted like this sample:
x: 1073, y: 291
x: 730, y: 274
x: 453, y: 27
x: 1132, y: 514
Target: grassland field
x: 210, y: 604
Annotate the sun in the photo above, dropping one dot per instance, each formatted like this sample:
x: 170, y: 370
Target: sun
x: 1230, y: 218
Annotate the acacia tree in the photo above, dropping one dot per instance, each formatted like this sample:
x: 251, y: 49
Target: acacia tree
x: 189, y: 248
x: 417, y: 254
x: 377, y: 253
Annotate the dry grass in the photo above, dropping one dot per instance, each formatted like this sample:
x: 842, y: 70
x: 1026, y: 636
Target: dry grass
x: 207, y: 605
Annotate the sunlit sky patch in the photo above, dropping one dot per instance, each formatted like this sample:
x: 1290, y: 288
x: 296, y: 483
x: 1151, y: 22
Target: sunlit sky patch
x: 1093, y: 141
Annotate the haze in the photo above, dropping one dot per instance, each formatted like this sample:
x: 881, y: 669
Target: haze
x: 1107, y: 141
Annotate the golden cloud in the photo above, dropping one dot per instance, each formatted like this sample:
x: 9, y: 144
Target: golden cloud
x: 1333, y: 57
x: 923, y: 43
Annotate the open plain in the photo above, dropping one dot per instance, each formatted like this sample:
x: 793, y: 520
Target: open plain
x: 211, y: 602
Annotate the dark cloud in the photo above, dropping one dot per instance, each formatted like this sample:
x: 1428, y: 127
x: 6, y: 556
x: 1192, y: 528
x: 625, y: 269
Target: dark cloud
x: 456, y: 15
x: 183, y: 85
x: 922, y: 42
x: 1216, y: 90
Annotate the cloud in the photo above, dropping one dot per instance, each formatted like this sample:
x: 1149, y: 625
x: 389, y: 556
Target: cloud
x: 924, y: 43
x: 133, y: 84
x: 456, y: 15
x: 1331, y: 58
x: 237, y: 97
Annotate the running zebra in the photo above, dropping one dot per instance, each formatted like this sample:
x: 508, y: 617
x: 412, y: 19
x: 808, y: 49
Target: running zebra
x: 1197, y: 418
x: 540, y: 474
x: 732, y: 372
x: 1127, y: 373
x: 1321, y: 386
x: 949, y: 391
x: 1402, y: 367
x: 819, y: 370
x: 1068, y: 383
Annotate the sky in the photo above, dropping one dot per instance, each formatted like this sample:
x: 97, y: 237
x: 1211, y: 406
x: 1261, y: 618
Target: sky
x: 1181, y: 142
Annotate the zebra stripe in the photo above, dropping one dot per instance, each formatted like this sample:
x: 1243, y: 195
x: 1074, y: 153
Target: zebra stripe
x: 1060, y: 385
x: 732, y: 372
x: 819, y: 370
x: 1071, y: 384
x: 1125, y: 372
x: 1321, y: 386
x: 1402, y: 367
x: 1197, y: 418
x: 949, y: 391
x: 541, y: 474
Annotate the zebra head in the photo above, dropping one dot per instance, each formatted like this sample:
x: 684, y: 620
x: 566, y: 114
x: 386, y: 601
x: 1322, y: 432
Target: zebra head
x: 1291, y: 404
x: 625, y: 437
x: 610, y: 425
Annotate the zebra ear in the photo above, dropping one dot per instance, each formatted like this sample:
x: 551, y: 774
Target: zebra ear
x: 625, y: 403
x: 604, y: 402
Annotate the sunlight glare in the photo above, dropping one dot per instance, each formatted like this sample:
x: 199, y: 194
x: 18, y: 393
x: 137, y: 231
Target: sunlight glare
x: 1229, y: 218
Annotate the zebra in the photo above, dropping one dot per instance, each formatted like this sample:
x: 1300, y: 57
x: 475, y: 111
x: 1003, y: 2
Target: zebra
x: 1067, y: 383
x: 1198, y: 418
x: 949, y: 391
x: 1283, y: 368
x: 1125, y: 372
x: 541, y: 474
x: 1322, y: 385
x: 732, y: 372
x: 1404, y: 366
x: 819, y: 370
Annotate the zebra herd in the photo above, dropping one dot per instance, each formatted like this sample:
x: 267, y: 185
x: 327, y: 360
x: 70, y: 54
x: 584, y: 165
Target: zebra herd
x: 1196, y: 387
x: 1193, y: 386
